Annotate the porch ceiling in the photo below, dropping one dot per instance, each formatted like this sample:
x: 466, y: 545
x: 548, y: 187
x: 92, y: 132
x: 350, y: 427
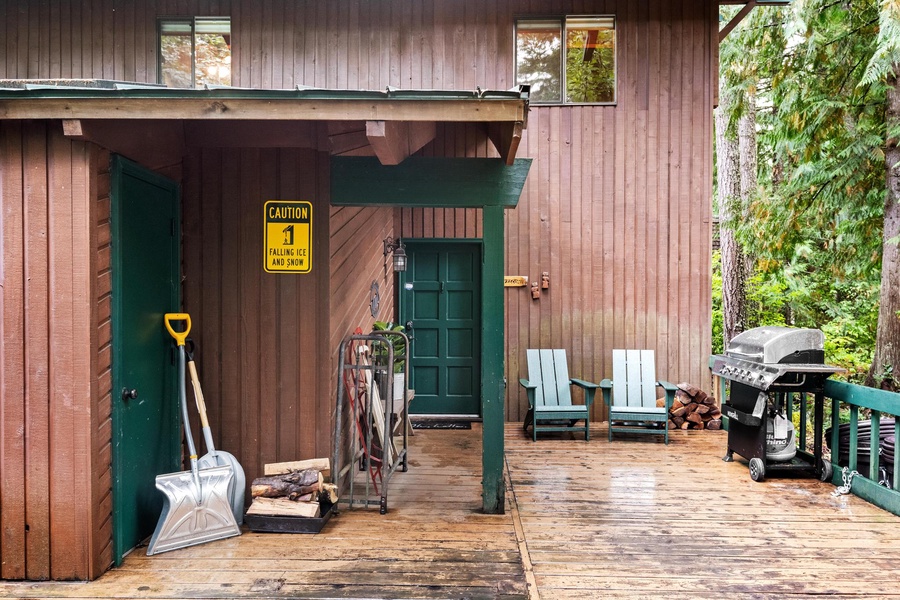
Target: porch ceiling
x: 390, y: 124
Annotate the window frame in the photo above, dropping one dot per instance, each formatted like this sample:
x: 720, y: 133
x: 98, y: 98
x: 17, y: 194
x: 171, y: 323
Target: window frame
x: 561, y: 19
x: 192, y: 21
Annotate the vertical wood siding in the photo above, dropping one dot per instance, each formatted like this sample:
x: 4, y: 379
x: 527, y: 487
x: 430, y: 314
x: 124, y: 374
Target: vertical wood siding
x: 260, y: 336
x: 47, y: 384
x: 101, y: 475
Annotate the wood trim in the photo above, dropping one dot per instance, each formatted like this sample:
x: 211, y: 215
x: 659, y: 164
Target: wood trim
x: 427, y: 182
x: 735, y: 21
x: 230, y: 109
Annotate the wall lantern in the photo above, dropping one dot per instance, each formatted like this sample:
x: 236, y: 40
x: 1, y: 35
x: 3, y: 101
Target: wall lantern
x: 399, y: 250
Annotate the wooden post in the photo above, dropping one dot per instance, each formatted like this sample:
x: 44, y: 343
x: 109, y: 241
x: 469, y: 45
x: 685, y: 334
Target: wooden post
x: 492, y: 344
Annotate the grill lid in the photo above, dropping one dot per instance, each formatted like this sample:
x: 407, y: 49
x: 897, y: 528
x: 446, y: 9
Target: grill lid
x: 772, y: 344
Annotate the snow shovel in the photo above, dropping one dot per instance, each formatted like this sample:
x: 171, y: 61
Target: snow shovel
x: 213, y: 457
x: 196, y: 507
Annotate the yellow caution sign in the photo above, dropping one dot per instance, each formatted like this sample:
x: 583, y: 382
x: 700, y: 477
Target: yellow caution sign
x: 288, y: 236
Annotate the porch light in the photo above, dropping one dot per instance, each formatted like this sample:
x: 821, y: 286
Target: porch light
x: 399, y: 250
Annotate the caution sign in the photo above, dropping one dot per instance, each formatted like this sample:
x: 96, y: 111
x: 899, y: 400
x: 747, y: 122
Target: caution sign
x: 288, y: 236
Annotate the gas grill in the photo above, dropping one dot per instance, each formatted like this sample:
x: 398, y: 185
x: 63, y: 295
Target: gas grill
x: 766, y: 367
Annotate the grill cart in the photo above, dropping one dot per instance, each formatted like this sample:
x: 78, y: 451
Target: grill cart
x: 766, y: 367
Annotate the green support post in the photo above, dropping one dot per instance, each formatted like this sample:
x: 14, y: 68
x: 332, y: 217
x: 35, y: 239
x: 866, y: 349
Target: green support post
x: 492, y: 342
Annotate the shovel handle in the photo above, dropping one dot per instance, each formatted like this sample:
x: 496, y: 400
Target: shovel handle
x: 179, y: 336
x: 198, y: 394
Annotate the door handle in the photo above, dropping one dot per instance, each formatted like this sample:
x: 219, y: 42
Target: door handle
x: 131, y: 394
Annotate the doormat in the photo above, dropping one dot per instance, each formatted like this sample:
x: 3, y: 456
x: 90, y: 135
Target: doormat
x: 442, y: 425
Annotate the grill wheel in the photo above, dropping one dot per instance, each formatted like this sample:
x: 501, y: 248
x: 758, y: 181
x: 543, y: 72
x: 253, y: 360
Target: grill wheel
x: 757, y: 469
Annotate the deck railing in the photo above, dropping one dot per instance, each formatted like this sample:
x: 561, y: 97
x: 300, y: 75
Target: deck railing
x: 854, y: 397
x: 881, y: 404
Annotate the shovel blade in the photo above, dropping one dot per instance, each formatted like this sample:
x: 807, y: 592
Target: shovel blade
x: 192, y: 516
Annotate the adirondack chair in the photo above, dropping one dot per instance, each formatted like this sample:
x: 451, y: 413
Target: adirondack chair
x: 549, y: 395
x: 631, y: 394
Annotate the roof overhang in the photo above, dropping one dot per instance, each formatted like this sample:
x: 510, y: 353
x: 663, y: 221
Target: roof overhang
x: 394, y: 123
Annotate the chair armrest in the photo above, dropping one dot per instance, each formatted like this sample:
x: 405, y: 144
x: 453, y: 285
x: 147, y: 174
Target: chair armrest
x: 670, y: 392
x: 584, y: 384
x: 669, y: 387
x: 588, y: 387
x: 606, y: 386
x: 529, y: 391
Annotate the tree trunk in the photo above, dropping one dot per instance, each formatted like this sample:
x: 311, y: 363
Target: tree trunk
x: 885, y: 371
x: 749, y: 178
x: 729, y: 191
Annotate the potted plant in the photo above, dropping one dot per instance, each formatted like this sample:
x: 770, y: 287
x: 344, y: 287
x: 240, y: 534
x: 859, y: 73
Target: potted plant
x: 381, y: 351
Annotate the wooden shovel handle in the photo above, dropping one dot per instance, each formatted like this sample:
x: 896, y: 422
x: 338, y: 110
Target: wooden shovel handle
x: 198, y: 394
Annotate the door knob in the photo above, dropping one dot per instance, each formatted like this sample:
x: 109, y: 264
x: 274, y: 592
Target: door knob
x: 131, y: 394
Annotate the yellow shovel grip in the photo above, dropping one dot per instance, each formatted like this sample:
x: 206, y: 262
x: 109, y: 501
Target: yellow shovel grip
x: 179, y: 336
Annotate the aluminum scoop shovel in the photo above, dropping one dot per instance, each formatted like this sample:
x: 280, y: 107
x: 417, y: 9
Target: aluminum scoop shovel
x: 213, y: 457
x: 196, y: 507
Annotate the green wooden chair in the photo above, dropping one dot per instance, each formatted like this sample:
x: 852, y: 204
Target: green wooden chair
x: 550, y: 405
x: 631, y: 395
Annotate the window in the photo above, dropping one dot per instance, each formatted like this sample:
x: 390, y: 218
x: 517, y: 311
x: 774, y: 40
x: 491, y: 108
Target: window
x: 584, y: 74
x: 195, y: 52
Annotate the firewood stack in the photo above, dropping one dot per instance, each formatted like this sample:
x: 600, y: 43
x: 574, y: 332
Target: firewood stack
x: 693, y: 409
x: 293, y: 489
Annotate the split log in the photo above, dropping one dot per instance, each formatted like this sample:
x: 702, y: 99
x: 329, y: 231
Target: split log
x: 694, y: 418
x: 679, y: 412
x: 661, y: 402
x: 290, y: 485
x: 676, y: 404
x: 323, y: 465
x: 678, y: 421
x: 683, y: 396
x: 702, y: 409
x: 714, y: 424
x: 689, y: 389
x: 284, y: 507
x: 700, y: 397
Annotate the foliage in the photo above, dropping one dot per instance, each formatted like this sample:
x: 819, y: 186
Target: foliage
x: 399, y: 344
x: 814, y: 224
x: 538, y: 63
x: 594, y: 79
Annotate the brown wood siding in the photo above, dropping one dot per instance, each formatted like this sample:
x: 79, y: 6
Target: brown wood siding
x: 46, y: 377
x: 616, y: 209
x: 358, y: 261
x: 101, y: 475
x: 259, y: 335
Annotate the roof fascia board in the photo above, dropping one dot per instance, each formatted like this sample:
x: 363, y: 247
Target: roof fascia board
x: 207, y: 108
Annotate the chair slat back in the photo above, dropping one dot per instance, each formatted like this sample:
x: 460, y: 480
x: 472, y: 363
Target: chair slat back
x: 634, y: 378
x: 550, y: 371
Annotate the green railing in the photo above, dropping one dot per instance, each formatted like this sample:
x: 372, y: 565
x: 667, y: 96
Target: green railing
x: 881, y: 404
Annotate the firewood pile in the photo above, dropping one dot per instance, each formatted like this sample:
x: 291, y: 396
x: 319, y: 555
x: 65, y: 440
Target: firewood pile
x: 293, y: 489
x: 693, y: 409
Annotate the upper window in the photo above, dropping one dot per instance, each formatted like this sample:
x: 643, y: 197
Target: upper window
x: 194, y: 52
x: 584, y: 74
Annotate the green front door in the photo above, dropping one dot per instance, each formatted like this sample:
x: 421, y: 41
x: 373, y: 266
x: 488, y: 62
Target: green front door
x: 145, y: 410
x: 441, y: 297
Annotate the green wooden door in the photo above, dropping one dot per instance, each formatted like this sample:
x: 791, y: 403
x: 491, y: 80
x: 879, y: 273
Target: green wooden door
x: 441, y: 295
x: 145, y: 267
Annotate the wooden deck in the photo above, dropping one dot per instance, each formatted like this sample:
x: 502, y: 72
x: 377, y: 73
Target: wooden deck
x: 589, y: 520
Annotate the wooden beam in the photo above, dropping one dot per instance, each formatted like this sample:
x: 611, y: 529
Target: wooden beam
x: 506, y: 138
x: 723, y: 33
x: 395, y: 141
x: 152, y: 143
x: 282, y: 109
x: 427, y: 182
